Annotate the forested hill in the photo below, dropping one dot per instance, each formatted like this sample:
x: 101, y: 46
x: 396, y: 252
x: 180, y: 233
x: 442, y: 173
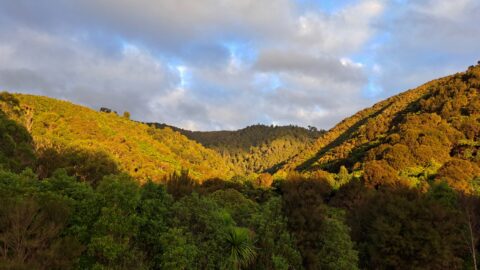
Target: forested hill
x: 428, y: 130
x: 396, y: 186
x: 257, y: 148
x: 91, y: 144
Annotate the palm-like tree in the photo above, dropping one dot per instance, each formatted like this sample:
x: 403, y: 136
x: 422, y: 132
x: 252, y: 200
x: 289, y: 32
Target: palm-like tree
x: 242, y: 251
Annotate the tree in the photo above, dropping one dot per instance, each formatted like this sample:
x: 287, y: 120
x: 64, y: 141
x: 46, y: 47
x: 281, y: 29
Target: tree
x: 178, y: 251
x: 105, y: 110
x: 404, y: 229
x: 179, y: 185
x: 459, y: 174
x: 240, y: 246
x: 378, y: 173
x: 264, y: 180
x: 126, y: 115
x: 34, y: 225
x: 343, y: 176
x: 337, y: 249
x: 154, y: 212
x: 310, y: 221
x: 112, y: 244
x: 275, y: 245
x: 207, y: 223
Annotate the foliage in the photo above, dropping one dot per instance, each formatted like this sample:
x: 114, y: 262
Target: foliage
x: 395, y: 186
x: 322, y: 237
x: 239, y: 243
x: 66, y: 135
x: 16, y: 144
x: 401, y: 228
x: 257, y: 148
x: 400, y: 138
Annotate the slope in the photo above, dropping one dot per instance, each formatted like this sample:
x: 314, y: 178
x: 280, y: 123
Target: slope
x: 67, y: 135
x: 257, y: 148
x: 433, y: 129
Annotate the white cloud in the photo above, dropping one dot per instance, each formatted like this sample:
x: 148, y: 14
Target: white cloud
x: 50, y: 65
x: 427, y: 39
x: 169, y: 60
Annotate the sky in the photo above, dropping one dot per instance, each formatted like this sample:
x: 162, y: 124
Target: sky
x: 226, y: 64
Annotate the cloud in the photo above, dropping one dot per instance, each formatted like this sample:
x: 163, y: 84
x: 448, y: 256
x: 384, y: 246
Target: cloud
x: 305, y: 64
x: 424, y: 40
x: 197, y: 64
x: 44, y: 64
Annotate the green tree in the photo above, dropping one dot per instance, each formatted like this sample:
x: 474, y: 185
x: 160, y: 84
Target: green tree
x: 178, y: 251
x: 401, y: 228
x: 273, y: 241
x: 207, y: 223
x: 337, y: 249
x: 112, y: 245
x: 240, y: 247
x: 33, y: 225
x: 154, y: 211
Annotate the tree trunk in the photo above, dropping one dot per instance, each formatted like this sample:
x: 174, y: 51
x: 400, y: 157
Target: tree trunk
x: 472, y: 242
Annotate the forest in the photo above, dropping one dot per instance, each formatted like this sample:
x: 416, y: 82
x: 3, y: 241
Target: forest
x: 257, y: 148
x: 395, y: 186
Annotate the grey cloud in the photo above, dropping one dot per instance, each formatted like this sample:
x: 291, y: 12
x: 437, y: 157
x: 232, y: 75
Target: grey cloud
x: 75, y: 71
x: 123, y: 54
x: 22, y: 78
x: 299, y: 63
x: 427, y: 39
x: 177, y: 26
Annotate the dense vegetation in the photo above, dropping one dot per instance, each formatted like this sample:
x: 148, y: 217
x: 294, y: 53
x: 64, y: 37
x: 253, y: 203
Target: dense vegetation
x: 79, y: 139
x: 257, y: 148
x: 424, y: 134
x: 396, y: 186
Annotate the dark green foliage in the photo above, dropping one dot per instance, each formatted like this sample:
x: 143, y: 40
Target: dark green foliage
x: 400, y: 228
x: 256, y: 148
x: 154, y: 211
x: 179, y: 185
x: 86, y: 165
x: 16, y: 144
x: 209, y: 225
x: 395, y: 186
x: 240, y: 246
x: 113, y: 234
x: 178, y: 251
x: 31, y: 224
x: 336, y: 248
x: 322, y: 237
x: 275, y: 244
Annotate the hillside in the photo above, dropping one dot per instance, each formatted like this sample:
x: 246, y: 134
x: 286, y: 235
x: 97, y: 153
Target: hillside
x: 67, y: 135
x: 395, y: 186
x: 424, y: 131
x: 257, y: 148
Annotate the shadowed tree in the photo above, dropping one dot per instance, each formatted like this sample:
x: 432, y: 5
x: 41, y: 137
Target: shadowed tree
x: 240, y: 246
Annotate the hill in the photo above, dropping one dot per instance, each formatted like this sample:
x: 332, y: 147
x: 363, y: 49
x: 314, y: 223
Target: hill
x: 431, y: 130
x: 257, y: 148
x: 406, y: 195
x: 64, y: 135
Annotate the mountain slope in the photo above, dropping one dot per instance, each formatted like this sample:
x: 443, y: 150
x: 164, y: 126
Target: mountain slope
x: 431, y: 130
x: 256, y: 148
x: 65, y: 135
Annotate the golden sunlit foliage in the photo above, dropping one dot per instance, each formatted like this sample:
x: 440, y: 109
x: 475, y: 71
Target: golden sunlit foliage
x: 395, y: 186
x: 257, y: 148
x: 408, y: 137
x: 67, y: 136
